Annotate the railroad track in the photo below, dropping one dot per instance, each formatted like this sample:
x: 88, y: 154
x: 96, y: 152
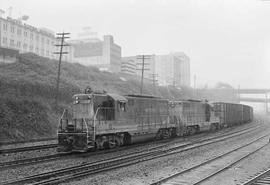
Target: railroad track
x: 29, y: 161
x: 28, y: 148
x: 29, y: 141
x: 35, y: 160
x: 262, y: 178
x: 78, y: 171
x: 212, y: 165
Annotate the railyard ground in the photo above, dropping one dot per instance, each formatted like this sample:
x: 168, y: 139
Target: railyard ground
x: 151, y: 171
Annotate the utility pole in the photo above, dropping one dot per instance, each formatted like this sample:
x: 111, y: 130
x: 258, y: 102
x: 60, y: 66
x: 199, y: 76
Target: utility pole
x: 154, y: 80
x: 266, y: 104
x: 238, y: 93
x: 174, y: 83
x: 143, y: 64
x: 61, y: 36
x: 194, y: 85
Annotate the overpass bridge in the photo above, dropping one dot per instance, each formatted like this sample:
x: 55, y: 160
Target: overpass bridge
x: 253, y: 91
x: 264, y: 92
x: 255, y: 100
x: 265, y: 99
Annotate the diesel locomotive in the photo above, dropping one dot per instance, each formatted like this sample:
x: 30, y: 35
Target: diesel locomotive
x: 105, y: 120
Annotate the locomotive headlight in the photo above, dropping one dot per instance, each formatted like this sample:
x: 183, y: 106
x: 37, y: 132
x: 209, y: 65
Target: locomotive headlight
x: 77, y: 98
x: 76, y: 101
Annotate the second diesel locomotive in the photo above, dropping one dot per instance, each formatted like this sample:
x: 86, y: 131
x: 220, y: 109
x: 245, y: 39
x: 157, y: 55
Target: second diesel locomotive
x: 104, y: 120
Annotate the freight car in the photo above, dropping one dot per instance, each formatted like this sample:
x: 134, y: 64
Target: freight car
x: 231, y: 114
x: 103, y: 120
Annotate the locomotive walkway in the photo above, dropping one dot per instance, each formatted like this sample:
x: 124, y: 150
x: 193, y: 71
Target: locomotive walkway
x: 71, y: 173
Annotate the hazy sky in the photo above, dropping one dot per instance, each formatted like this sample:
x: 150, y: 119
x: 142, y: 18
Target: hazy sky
x: 226, y: 40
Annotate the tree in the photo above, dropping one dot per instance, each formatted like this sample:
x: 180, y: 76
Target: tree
x: 223, y: 85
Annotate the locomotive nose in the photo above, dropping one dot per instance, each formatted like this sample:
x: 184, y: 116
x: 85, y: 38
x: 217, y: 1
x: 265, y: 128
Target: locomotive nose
x: 70, y: 140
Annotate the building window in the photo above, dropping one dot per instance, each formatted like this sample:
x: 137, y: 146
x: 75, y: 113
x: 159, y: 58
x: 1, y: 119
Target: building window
x: 37, y: 50
x: 11, y: 42
x: 19, y: 31
x: 31, y: 47
x: 37, y: 38
x: 4, y: 40
x: 31, y: 36
x: 5, y: 26
x: 42, y: 52
x: 24, y: 46
x: 12, y: 29
x: 18, y: 44
x: 25, y: 33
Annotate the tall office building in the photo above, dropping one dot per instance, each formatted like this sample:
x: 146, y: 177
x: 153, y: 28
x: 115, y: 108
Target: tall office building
x: 137, y: 69
x: 172, y: 69
x: 128, y: 65
x: 103, y: 54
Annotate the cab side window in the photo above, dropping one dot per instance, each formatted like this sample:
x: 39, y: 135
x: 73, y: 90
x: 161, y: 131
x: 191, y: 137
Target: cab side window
x: 122, y: 106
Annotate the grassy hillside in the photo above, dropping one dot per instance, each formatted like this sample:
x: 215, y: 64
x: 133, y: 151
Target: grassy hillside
x: 27, y: 90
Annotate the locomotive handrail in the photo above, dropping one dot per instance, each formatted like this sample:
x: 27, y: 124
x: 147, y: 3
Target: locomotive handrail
x: 95, y: 118
x: 60, y: 121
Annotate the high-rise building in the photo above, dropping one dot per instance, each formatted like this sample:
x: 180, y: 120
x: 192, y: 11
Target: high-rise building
x: 128, y: 65
x: 103, y: 54
x: 137, y: 69
x: 172, y: 69
x: 15, y: 34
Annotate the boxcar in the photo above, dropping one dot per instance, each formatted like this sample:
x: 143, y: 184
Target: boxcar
x: 231, y: 114
x: 247, y: 113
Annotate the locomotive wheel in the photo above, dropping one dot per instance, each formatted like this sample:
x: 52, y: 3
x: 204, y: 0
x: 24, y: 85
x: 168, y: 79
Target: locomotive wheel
x: 113, y: 144
x: 159, y: 135
x: 189, y: 130
x: 213, y: 127
x: 192, y: 131
x: 166, y: 134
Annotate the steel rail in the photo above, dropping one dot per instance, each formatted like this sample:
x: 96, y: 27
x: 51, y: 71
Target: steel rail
x: 3, y: 143
x: 262, y: 178
x: 34, y: 160
x: 65, y: 174
x: 28, y: 148
x: 230, y: 165
x: 174, y: 176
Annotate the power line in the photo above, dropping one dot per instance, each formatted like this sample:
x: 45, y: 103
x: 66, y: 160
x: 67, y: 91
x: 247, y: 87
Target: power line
x: 143, y: 57
x: 61, y: 36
